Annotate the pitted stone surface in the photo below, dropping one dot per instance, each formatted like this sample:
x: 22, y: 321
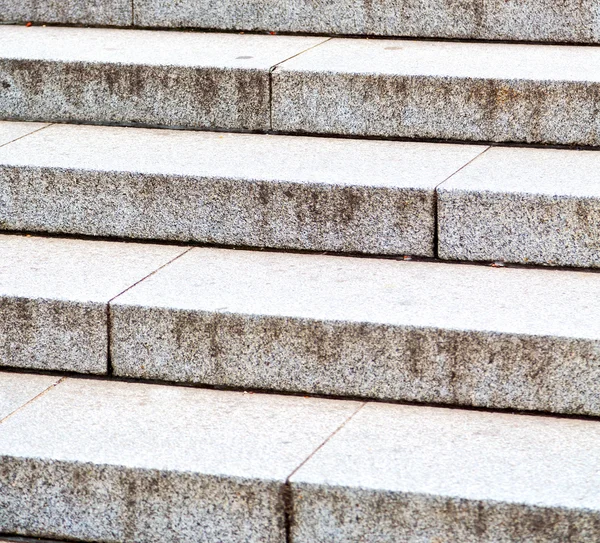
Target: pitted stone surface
x: 443, y: 90
x: 90, y: 12
x: 541, y: 20
x: 12, y: 131
x: 54, y: 295
x: 235, y: 189
x: 523, y: 205
x: 106, y: 461
x: 140, y: 77
x: 402, y: 473
x: 429, y: 332
x: 16, y: 389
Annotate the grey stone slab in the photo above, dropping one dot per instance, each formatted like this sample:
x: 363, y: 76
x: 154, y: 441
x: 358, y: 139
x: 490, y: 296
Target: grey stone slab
x: 140, y: 77
x: 523, y: 205
x: 446, y: 90
x: 16, y: 389
x: 427, y: 332
x: 417, y: 475
x: 54, y: 295
x: 11, y: 131
x: 539, y: 20
x: 235, y: 189
x: 123, y: 462
x: 89, y: 12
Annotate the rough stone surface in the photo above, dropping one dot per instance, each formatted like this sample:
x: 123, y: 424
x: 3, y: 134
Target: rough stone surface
x: 120, y: 462
x: 90, y: 12
x: 10, y: 131
x: 17, y: 389
x: 140, y: 77
x: 446, y: 90
x: 523, y: 205
x: 539, y: 20
x: 235, y: 189
x: 54, y: 295
x: 419, y: 475
x: 455, y: 334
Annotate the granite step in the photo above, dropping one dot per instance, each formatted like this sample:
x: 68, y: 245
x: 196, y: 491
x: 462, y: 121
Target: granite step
x: 105, y: 461
x: 490, y: 92
x: 318, y: 194
x: 537, y: 20
x: 454, y: 334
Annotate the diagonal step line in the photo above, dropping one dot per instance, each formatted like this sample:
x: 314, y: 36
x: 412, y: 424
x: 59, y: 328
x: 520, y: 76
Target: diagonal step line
x: 33, y: 399
x: 26, y: 135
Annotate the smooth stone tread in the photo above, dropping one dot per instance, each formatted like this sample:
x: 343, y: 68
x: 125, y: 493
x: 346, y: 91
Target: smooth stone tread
x: 122, y: 462
x: 523, y: 205
x: 236, y: 189
x: 427, y: 332
x: 177, y: 79
x: 89, y: 12
x: 443, y: 90
x: 54, y: 296
x: 10, y: 132
x: 417, y: 474
x: 17, y: 389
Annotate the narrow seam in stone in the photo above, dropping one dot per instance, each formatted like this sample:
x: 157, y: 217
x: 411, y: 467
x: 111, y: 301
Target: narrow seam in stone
x: 132, y: 13
x: 26, y: 135
x: 32, y: 400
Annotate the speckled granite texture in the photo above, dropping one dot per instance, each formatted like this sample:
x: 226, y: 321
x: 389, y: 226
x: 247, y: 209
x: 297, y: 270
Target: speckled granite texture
x: 89, y: 12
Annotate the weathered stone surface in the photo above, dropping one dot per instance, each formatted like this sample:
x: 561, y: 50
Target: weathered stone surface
x: 10, y: 131
x: 90, y: 12
x: 140, y: 77
x: 236, y: 189
x: 447, y: 90
x: 523, y: 205
x: 54, y: 295
x: 455, y: 334
x: 414, y: 474
x: 119, y: 462
x: 17, y: 389
x: 539, y: 20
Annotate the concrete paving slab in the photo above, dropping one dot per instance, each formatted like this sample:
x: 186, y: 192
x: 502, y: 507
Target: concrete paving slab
x: 442, y: 90
x: 16, y: 389
x: 235, y: 189
x: 542, y: 20
x: 402, y: 473
x: 523, y: 205
x: 177, y: 79
x: 54, y: 295
x: 427, y: 332
x: 108, y: 461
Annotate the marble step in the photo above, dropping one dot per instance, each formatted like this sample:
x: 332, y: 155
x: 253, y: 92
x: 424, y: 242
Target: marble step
x: 487, y: 92
x: 105, y: 461
x: 537, y: 20
x: 455, y: 334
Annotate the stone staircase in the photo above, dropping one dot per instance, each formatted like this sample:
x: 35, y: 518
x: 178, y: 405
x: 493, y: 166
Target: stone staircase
x: 318, y: 287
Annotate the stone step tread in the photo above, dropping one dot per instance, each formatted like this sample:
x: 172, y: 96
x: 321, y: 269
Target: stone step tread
x: 317, y: 194
x: 97, y: 460
x: 376, y: 328
x: 520, y: 205
x: 540, y: 20
x: 489, y: 92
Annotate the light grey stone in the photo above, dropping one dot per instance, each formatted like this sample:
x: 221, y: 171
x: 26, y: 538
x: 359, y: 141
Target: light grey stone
x: 16, y: 389
x: 235, y: 189
x: 54, y: 295
x: 12, y: 131
x: 423, y: 475
x: 89, y: 12
x: 442, y: 90
x: 523, y: 205
x: 179, y: 79
x: 539, y: 20
x: 428, y: 332
x: 123, y: 462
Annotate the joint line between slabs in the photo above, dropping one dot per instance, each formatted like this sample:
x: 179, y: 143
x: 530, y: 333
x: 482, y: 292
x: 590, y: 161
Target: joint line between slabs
x: 33, y: 399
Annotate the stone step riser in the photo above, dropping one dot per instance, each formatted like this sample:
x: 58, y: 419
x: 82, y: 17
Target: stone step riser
x: 424, y: 332
x: 381, y: 88
x: 540, y: 20
x: 124, y: 462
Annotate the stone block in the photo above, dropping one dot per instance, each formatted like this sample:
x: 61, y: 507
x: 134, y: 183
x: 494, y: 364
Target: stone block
x: 16, y: 389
